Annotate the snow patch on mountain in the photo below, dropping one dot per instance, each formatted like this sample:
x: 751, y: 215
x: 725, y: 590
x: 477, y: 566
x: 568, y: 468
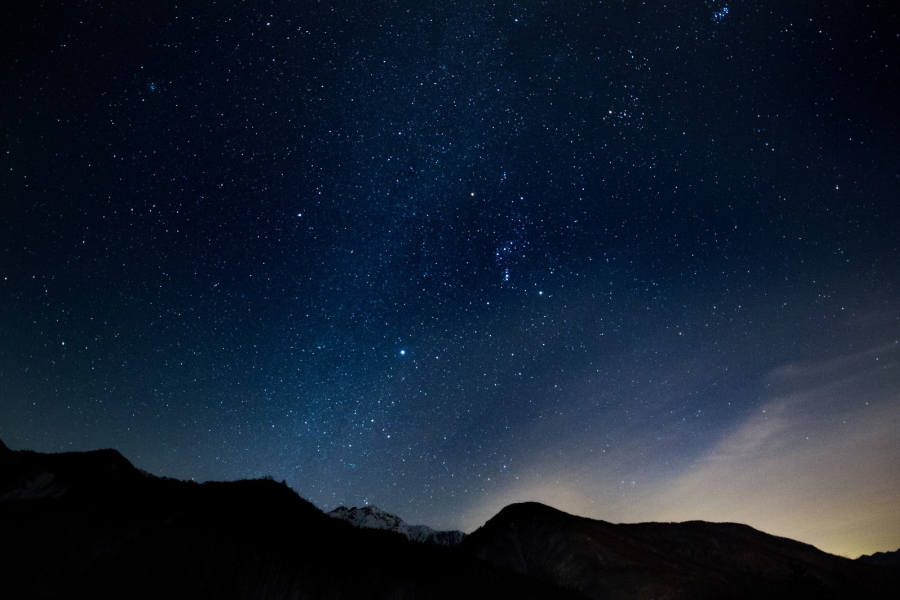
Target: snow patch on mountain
x: 372, y: 517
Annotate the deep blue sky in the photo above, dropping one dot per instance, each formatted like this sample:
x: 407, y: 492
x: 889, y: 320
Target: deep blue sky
x: 638, y: 260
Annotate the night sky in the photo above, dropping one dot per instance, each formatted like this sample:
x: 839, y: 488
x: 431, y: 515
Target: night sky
x: 636, y: 260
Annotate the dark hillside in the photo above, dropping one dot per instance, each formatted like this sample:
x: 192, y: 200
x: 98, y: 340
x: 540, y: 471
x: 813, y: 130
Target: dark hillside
x: 885, y: 559
x: 668, y: 560
x: 91, y: 525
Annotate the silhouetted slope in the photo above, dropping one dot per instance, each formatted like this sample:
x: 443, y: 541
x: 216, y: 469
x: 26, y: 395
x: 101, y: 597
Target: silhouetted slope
x: 91, y: 525
x: 30, y: 475
x: 667, y: 560
x: 885, y: 559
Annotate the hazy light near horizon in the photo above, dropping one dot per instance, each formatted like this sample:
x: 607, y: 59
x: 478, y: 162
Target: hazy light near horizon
x: 816, y: 463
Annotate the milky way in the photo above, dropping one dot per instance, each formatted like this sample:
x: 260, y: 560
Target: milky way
x: 637, y: 260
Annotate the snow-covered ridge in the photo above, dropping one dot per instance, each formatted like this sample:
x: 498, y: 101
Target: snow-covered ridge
x: 372, y: 517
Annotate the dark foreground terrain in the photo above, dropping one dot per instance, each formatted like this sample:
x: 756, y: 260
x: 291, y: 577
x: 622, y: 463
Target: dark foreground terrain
x: 92, y: 525
x: 669, y: 560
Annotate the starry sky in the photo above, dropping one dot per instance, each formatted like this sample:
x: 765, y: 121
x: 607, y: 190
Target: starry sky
x: 636, y: 260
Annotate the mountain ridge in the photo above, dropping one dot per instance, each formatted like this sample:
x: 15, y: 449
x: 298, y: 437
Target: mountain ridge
x: 887, y: 559
x: 112, y: 531
x: 372, y: 517
x: 92, y: 524
x: 672, y: 560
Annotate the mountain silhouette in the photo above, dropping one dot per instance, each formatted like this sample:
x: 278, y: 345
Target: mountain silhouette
x: 92, y: 525
x: 887, y: 559
x: 667, y: 560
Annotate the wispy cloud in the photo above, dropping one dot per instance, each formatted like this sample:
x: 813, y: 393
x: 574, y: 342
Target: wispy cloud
x: 826, y: 448
x: 818, y: 461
